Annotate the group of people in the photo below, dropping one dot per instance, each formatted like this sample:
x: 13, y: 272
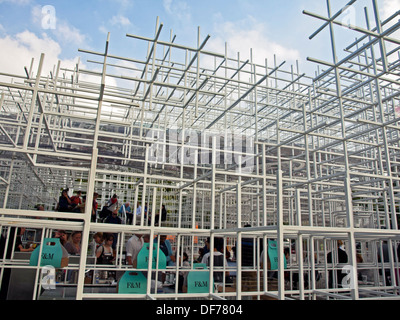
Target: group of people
x: 71, y: 242
x: 111, y: 212
x: 105, y: 253
x: 75, y: 203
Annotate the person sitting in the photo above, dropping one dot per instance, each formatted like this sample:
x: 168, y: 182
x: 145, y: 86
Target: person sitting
x: 64, y: 202
x: 113, y: 218
x: 95, y: 206
x: 105, y: 252
x: 62, y: 235
x: 166, y: 248
x: 73, y: 246
x: 98, y: 238
x: 163, y: 216
x: 112, y: 204
x: 76, y: 202
x: 18, y: 242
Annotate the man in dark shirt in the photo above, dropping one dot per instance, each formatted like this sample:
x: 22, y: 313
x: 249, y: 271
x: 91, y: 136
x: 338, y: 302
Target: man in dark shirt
x: 114, y: 219
x: 342, y: 258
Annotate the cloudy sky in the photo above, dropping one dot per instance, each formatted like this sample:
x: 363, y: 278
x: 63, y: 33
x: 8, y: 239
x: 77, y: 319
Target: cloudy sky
x: 268, y: 27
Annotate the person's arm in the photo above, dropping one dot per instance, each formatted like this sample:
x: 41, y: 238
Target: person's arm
x: 226, y: 266
x: 68, y: 199
x: 129, y: 253
x: 170, y: 253
x: 22, y: 249
x: 94, y: 208
x: 205, y: 258
x: 99, y: 251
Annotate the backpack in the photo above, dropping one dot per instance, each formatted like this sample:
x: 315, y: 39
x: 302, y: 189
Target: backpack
x: 105, y: 258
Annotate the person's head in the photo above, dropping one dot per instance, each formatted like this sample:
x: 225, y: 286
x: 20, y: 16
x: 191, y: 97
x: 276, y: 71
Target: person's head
x: 286, y: 252
x: 146, y: 238
x: 40, y: 207
x: 115, y: 196
x: 163, y: 238
x: 109, y: 239
x: 64, y: 193
x: 184, y: 257
x: 115, y: 213
x: 76, y: 237
x: 98, y: 237
x: 127, y: 205
x: 208, y: 243
x: 218, y: 243
x: 95, y: 195
x: 62, y: 235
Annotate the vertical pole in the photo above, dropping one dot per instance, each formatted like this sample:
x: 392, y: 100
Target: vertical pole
x: 347, y: 186
x: 91, y: 183
x: 33, y: 103
x: 281, y: 265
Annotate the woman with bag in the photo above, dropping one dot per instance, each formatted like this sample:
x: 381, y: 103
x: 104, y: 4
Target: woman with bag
x: 104, y: 252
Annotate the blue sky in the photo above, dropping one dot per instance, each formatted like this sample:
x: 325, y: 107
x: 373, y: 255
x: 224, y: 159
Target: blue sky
x: 267, y: 26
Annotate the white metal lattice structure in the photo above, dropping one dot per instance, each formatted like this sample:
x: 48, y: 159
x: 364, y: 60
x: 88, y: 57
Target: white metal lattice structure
x: 224, y: 143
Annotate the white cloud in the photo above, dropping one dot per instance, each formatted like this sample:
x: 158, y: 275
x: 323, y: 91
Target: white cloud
x: 120, y: 20
x: 66, y: 33
x: 179, y: 10
x: 167, y: 5
x: 389, y: 7
x: 18, y: 51
x: 63, y: 31
x: 103, y: 29
x: 241, y: 36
